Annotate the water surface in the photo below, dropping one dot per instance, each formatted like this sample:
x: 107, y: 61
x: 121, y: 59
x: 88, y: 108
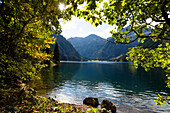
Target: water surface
x: 121, y: 83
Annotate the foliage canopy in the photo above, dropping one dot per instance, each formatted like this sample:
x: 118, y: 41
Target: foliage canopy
x: 25, y: 33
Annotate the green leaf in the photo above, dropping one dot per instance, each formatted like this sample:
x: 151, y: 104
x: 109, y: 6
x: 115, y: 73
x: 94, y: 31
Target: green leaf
x: 105, y: 5
x: 123, y: 3
x: 167, y: 44
x: 100, y: 1
x: 140, y: 11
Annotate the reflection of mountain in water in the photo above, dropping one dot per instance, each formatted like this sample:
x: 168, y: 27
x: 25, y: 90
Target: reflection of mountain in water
x: 122, y: 75
x: 53, y: 77
x: 66, y: 72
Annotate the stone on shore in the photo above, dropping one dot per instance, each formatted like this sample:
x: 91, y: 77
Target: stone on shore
x: 108, y: 105
x: 90, y: 101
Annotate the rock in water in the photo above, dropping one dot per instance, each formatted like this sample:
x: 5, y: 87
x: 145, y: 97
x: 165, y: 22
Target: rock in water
x: 108, y: 105
x: 91, y: 101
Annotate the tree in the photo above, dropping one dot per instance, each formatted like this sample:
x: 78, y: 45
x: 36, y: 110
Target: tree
x: 25, y: 32
x: 56, y: 57
x: 140, y: 16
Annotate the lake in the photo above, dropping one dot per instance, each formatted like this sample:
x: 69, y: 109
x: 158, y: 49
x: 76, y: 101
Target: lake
x: 130, y: 89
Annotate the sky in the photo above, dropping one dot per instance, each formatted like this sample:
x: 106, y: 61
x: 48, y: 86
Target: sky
x: 80, y: 28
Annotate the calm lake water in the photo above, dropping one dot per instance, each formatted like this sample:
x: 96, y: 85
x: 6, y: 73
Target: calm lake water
x: 130, y: 89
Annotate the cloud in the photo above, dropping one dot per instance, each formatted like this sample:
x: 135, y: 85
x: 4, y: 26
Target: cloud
x: 74, y: 23
x: 114, y: 28
x: 69, y: 25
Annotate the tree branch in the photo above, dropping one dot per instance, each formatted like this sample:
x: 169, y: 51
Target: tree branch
x: 123, y: 42
x: 25, y: 23
x: 167, y: 54
x: 156, y: 20
x: 164, y: 13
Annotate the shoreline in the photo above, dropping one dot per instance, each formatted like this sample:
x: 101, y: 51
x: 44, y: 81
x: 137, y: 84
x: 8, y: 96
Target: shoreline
x: 53, y: 105
x: 120, y: 108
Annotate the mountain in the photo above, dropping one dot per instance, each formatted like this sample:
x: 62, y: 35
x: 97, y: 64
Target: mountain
x: 148, y: 43
x: 67, y: 51
x: 88, y: 46
x: 121, y: 58
x: 110, y: 50
x: 95, y: 47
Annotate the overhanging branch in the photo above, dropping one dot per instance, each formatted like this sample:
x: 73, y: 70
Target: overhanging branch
x: 164, y: 13
x: 156, y: 20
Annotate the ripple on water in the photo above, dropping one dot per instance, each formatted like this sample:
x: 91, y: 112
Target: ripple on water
x: 75, y: 92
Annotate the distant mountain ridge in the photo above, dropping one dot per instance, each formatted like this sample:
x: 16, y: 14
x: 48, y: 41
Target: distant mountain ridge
x: 110, y: 50
x: 67, y: 51
x: 88, y: 46
x: 97, y: 48
x: 148, y: 43
x: 94, y: 47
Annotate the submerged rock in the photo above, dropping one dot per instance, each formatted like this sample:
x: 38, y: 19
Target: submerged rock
x: 91, y: 101
x: 108, y: 105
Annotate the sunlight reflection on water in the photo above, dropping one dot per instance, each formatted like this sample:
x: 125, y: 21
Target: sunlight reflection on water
x: 73, y: 92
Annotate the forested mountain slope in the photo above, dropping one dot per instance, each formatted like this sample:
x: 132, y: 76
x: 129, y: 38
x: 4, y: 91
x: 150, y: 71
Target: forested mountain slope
x: 88, y: 46
x: 67, y: 51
